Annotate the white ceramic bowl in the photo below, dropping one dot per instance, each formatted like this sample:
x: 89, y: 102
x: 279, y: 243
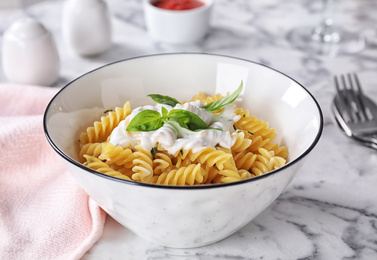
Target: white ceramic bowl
x: 177, y: 27
x: 184, y: 217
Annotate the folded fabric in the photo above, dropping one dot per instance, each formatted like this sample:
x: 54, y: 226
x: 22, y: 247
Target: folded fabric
x: 44, y: 214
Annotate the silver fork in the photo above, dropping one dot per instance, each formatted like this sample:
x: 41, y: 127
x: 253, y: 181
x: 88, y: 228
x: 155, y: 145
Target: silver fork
x: 354, y: 112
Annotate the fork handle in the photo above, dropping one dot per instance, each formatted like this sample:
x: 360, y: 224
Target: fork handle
x: 370, y: 141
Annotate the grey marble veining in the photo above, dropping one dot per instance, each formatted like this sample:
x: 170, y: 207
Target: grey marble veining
x: 329, y: 211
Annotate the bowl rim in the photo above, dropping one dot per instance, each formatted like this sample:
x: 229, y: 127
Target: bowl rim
x: 185, y: 187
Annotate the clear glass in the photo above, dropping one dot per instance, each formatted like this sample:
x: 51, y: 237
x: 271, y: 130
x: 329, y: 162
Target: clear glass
x: 326, y: 38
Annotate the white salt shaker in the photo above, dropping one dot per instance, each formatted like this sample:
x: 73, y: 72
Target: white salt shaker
x: 86, y: 26
x: 29, y: 53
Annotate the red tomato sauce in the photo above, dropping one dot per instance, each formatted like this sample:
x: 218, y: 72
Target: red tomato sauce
x: 178, y: 5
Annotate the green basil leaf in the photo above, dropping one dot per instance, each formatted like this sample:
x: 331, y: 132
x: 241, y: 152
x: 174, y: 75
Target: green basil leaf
x: 164, y: 112
x: 187, y: 119
x: 145, y: 121
x: 166, y: 100
x: 219, y: 104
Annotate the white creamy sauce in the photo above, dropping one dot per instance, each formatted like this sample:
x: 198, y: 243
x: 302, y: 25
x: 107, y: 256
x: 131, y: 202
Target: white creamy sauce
x: 173, y: 138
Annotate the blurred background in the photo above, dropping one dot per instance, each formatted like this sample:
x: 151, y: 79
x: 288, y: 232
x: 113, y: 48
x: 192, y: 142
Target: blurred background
x: 9, y: 5
x: 330, y: 209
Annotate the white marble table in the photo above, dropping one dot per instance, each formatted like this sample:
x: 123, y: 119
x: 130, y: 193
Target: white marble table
x: 330, y: 209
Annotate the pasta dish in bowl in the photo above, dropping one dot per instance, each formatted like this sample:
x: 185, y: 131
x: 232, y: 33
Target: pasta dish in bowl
x: 183, y: 149
x: 201, y: 142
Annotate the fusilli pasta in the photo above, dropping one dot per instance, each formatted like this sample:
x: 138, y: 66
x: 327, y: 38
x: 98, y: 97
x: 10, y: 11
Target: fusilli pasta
x: 253, y: 153
x: 102, y: 129
x: 190, y: 175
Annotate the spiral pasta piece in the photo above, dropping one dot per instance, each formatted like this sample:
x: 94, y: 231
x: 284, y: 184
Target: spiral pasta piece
x: 190, y: 175
x: 102, y: 129
x: 229, y: 175
x: 182, y: 154
x: 102, y: 167
x: 206, y: 99
x: 281, y: 151
x: 276, y: 161
x: 241, y: 143
x: 210, y: 99
x: 211, y: 156
x: 183, y: 161
x: 266, y: 161
x: 260, y: 142
x: 259, y: 168
x: 183, y: 158
x: 117, y: 155
x: 245, y: 160
x: 143, y: 166
x: 241, y: 112
x: 125, y: 171
x: 200, y: 96
x: 245, y: 174
x: 162, y: 163
x: 255, y: 126
x: 212, y: 172
x: 94, y: 149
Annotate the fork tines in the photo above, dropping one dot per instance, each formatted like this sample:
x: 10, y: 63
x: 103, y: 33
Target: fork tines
x: 350, y: 96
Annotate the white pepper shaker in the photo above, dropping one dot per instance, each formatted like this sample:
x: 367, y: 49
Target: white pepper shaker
x: 86, y: 26
x: 29, y: 53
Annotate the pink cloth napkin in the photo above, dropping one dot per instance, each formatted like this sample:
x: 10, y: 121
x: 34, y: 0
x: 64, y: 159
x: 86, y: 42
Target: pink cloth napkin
x: 44, y: 214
